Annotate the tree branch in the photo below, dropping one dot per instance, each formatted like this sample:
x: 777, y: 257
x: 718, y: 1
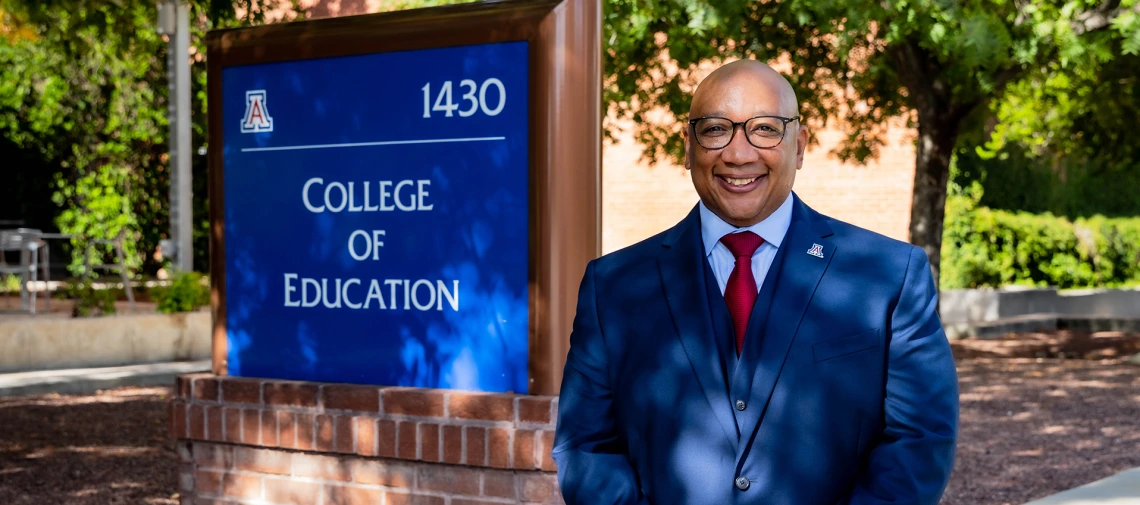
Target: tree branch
x: 1100, y: 17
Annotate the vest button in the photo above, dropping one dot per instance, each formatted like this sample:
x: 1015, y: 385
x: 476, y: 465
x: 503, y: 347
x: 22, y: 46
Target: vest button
x: 742, y: 483
x: 740, y: 405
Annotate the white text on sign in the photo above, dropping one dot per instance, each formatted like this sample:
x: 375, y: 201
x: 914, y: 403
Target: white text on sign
x: 444, y: 103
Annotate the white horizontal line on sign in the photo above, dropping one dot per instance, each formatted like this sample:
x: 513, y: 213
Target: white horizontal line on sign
x: 366, y: 144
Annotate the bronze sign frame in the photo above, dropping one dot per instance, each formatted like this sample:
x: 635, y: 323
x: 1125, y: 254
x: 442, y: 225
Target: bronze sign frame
x: 564, y: 37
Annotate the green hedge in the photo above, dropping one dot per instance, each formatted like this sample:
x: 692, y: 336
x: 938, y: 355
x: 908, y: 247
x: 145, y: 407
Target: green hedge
x: 986, y: 247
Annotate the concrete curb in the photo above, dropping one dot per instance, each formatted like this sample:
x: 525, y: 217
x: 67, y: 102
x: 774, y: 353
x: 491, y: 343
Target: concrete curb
x: 89, y: 380
x: 1120, y: 489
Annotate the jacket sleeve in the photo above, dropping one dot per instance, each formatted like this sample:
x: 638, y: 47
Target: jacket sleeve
x: 915, y: 453
x: 593, y: 467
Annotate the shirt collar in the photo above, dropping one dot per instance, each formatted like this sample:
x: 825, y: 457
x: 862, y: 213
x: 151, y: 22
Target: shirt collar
x: 772, y: 230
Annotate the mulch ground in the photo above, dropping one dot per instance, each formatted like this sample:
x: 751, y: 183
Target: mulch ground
x: 1034, y: 427
x: 1031, y: 427
x: 100, y: 449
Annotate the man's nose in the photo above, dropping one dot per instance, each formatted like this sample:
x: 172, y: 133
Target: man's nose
x: 739, y: 151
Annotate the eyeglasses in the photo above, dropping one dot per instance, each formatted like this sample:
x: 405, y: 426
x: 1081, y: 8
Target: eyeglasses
x: 763, y: 132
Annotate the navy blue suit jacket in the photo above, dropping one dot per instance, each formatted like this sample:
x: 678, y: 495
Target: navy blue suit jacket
x: 845, y: 391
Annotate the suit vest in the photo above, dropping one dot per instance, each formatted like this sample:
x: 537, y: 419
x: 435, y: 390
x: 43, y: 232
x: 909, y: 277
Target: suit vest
x: 731, y: 369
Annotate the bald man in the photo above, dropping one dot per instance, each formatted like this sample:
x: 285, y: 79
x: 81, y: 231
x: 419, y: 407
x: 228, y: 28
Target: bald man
x: 758, y: 352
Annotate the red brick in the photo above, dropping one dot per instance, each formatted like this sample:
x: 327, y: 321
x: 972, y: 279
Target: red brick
x: 262, y: 460
x: 498, y: 448
x: 241, y: 486
x: 214, y: 431
x: 538, y: 487
x: 534, y: 409
x: 429, y: 442
x: 305, y: 424
x: 546, y: 461
x: 205, y: 390
x: 343, y: 495
x: 343, y: 437
x: 453, y: 445
x: 197, y: 422
x: 251, y: 426
x: 349, y: 397
x: 364, y: 432
x: 286, y: 430
x: 178, y: 420
x: 233, y: 425
x: 268, y: 422
x: 486, y: 407
x: 213, y: 456
x: 524, y: 450
x: 498, y: 483
x: 291, y: 492
x: 207, y: 482
x: 448, y: 479
x: 406, y: 440
x: 322, y: 467
x: 386, y: 439
x: 241, y: 391
x: 411, y: 499
x: 413, y: 402
x: 324, y: 433
x: 383, y: 472
x: 476, y: 446
x: 463, y: 501
x: 291, y: 394
x: 182, y: 385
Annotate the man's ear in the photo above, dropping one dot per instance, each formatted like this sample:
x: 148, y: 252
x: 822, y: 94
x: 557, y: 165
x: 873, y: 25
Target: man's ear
x: 801, y: 145
x: 688, y: 153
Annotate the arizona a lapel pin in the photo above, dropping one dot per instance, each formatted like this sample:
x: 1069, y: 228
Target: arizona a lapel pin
x: 816, y: 250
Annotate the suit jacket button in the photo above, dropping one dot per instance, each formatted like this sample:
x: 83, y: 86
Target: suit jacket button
x: 742, y: 483
x: 740, y: 405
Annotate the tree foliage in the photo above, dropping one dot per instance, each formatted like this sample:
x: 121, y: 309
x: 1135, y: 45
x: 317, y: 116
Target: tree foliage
x: 83, y: 84
x: 940, y: 65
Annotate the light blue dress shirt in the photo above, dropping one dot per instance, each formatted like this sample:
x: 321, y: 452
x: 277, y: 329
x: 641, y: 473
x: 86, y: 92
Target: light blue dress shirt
x: 772, y: 230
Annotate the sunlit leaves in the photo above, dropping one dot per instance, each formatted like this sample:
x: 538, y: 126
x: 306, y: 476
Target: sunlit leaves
x: 975, y: 49
x: 83, y: 82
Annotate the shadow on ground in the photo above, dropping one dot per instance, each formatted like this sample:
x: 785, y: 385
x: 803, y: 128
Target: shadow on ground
x: 1031, y: 428
x: 108, y: 448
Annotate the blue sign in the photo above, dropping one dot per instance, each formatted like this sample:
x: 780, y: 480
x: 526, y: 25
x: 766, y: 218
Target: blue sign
x: 376, y: 218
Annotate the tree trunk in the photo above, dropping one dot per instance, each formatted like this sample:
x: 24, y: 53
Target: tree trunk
x: 931, y: 173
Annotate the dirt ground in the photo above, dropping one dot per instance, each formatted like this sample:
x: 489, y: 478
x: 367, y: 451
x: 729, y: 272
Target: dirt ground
x: 1030, y: 428
x: 100, y: 449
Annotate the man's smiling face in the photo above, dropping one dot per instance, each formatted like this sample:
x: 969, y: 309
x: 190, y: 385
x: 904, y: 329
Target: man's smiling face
x: 740, y: 183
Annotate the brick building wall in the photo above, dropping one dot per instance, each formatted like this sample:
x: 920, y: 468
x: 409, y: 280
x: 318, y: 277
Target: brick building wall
x: 270, y: 442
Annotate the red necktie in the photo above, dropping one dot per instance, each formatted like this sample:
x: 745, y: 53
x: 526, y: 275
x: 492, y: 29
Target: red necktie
x: 740, y: 292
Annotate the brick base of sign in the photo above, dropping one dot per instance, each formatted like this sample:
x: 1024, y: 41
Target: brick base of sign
x: 267, y: 442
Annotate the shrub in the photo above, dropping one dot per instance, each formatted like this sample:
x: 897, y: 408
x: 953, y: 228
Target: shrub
x: 986, y: 247
x: 90, y: 301
x: 187, y: 291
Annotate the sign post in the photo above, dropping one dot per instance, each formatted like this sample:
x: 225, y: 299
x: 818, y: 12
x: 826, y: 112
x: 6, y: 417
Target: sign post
x: 405, y: 199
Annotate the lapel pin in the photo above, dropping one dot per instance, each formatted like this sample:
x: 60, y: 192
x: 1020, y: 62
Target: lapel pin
x: 816, y: 250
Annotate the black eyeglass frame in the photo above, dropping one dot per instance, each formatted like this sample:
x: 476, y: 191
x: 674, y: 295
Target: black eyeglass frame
x: 731, y: 136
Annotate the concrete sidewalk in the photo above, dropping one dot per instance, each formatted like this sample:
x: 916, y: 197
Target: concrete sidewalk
x: 1120, y: 489
x: 89, y: 380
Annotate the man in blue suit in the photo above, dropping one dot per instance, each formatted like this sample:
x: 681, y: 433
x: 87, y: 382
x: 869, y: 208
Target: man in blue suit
x: 758, y: 352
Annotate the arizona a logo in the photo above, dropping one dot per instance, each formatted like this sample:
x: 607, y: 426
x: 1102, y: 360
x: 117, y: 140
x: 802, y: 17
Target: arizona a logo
x: 816, y: 250
x: 256, y: 115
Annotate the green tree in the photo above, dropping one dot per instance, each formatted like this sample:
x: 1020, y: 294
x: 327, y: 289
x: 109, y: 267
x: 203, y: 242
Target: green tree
x: 941, y: 65
x: 83, y: 86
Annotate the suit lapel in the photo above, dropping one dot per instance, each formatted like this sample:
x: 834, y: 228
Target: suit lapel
x: 682, y: 278
x: 796, y: 279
